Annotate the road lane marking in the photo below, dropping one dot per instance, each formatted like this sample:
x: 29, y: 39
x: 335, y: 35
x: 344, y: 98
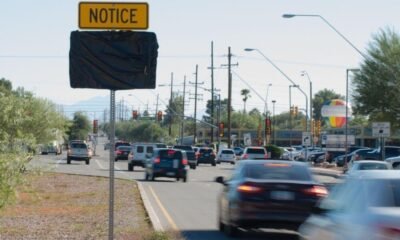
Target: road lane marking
x: 101, y: 166
x: 166, y: 214
x: 150, y: 210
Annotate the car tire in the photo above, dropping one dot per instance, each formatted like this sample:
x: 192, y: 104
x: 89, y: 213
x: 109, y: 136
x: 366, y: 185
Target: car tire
x: 130, y: 167
x: 213, y: 164
x: 233, y: 163
x: 151, y: 177
x: 87, y: 161
x: 68, y: 161
x: 221, y: 225
x: 184, y: 179
x: 231, y: 231
x: 178, y: 178
x: 146, y: 176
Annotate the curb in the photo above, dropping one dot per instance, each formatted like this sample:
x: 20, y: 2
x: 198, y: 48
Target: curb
x: 155, y: 221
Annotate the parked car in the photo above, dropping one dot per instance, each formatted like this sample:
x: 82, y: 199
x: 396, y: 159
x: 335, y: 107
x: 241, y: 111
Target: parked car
x: 254, y: 153
x: 364, y: 206
x: 51, y: 147
x: 394, y: 162
x: 122, y: 152
x: 192, y: 159
x: 137, y: 156
x: 376, y: 154
x: 206, y: 155
x: 79, y: 151
x: 238, y: 151
x: 165, y: 162
x: 342, y: 159
x: 267, y: 194
x: 226, y: 155
x: 121, y: 143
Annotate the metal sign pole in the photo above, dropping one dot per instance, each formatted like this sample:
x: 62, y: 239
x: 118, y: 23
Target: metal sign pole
x: 112, y: 142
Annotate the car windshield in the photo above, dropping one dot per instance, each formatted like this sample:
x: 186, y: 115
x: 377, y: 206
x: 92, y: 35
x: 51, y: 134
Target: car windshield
x: 205, y: 150
x: 170, y: 154
x: 124, y: 148
x: 78, y: 145
x: 255, y: 151
x: 373, y: 166
x: 227, y: 152
x: 277, y: 171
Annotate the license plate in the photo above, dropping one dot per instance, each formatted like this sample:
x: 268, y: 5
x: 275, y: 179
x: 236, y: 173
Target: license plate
x: 282, y: 195
x: 170, y: 174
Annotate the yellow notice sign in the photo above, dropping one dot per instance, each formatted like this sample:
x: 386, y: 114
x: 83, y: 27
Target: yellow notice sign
x: 112, y: 15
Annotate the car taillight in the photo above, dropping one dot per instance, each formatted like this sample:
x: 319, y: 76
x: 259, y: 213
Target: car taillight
x: 245, y: 156
x: 318, y: 191
x: 157, y: 160
x: 386, y: 232
x: 246, y: 188
x: 118, y: 152
x: 184, y: 161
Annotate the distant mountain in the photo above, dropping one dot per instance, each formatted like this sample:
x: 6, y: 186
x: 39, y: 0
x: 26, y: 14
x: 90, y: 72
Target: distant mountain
x: 94, y: 107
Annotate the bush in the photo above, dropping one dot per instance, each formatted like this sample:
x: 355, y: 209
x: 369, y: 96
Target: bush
x: 276, y: 152
x: 11, y: 170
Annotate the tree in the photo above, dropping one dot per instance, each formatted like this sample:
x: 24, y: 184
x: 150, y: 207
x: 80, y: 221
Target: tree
x: 80, y: 127
x: 377, y: 84
x: 223, y: 110
x: 246, y: 95
x: 321, y: 97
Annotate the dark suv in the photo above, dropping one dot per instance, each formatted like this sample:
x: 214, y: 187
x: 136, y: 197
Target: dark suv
x: 165, y: 162
x: 190, y: 154
x: 206, y: 155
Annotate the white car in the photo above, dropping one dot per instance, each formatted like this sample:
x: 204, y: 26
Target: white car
x: 365, y: 206
x: 394, y: 162
x: 226, y: 155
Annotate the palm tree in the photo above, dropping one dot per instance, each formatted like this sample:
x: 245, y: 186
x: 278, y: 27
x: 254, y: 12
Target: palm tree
x: 246, y: 94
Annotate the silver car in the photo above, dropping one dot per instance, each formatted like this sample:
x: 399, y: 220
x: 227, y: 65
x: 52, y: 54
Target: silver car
x: 364, y: 206
x: 226, y: 155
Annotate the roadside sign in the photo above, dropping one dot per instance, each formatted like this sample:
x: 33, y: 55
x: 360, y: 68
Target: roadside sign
x: 337, y: 142
x: 110, y: 15
x: 381, y: 129
x: 306, y: 139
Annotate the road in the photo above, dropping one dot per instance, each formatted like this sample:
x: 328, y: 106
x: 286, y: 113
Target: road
x: 189, y: 207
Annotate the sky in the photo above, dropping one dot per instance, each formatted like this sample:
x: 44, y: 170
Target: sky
x: 34, y: 48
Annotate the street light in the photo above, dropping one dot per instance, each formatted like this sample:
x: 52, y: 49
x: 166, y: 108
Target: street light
x: 330, y: 25
x: 273, y: 121
x: 266, y: 100
x: 347, y: 111
x: 304, y: 73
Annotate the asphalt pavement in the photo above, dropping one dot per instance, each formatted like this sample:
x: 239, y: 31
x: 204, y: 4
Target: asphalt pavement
x: 190, y: 207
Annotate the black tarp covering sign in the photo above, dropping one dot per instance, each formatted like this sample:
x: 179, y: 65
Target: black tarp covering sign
x: 115, y: 60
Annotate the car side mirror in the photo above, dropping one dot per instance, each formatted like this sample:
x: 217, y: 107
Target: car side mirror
x: 220, y: 179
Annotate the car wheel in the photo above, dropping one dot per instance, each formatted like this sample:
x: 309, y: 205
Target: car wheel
x: 152, y: 177
x: 221, y: 225
x: 194, y: 166
x: 87, y: 161
x: 231, y: 231
x: 146, y: 176
x: 233, y: 163
x: 184, y: 179
x: 130, y: 167
x: 178, y: 178
x: 214, y: 164
x: 116, y: 159
x: 68, y: 161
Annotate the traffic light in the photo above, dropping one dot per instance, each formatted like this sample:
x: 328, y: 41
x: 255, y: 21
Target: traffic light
x: 267, y: 126
x: 95, y: 126
x: 296, y: 110
x: 291, y: 110
x: 134, y: 114
x: 318, y: 128
x: 221, y: 129
x: 159, y: 116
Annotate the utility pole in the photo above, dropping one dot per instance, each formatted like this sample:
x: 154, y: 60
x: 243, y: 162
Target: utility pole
x: 156, y: 109
x: 212, y: 91
x: 195, y: 107
x: 170, y: 105
x: 229, y: 96
x: 183, y: 111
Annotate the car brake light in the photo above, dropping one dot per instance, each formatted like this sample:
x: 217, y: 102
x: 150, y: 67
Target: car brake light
x: 184, y: 161
x: 245, y: 156
x: 246, y: 188
x: 157, y: 160
x: 389, y: 232
x: 318, y: 191
x: 118, y: 152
